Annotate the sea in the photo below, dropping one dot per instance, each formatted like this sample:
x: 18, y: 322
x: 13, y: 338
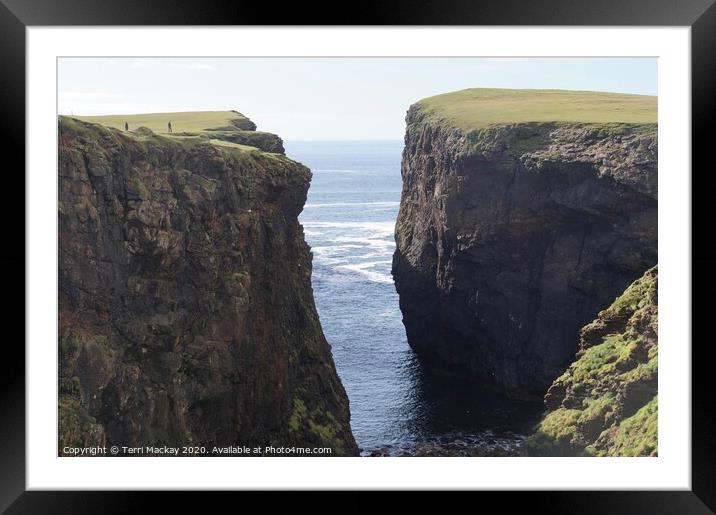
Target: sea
x: 396, y: 407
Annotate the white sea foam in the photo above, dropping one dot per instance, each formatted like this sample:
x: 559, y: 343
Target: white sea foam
x: 364, y: 269
x: 381, y: 209
x: 373, y: 242
x: 363, y: 248
x: 364, y: 265
x: 326, y: 260
x: 352, y: 204
x: 386, y: 227
x: 333, y: 249
x: 372, y: 234
x: 335, y: 253
x: 342, y: 170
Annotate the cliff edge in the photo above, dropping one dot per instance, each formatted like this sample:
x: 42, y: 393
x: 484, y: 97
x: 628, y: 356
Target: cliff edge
x: 186, y: 314
x: 523, y: 213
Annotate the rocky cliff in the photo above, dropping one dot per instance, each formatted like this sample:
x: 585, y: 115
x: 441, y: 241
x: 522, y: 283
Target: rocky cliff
x: 186, y: 314
x: 523, y: 213
x: 606, y: 403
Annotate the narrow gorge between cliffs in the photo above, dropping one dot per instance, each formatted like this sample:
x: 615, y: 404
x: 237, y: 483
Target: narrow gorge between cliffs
x: 396, y: 407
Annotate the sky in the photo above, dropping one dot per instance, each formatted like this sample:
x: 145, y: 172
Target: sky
x: 323, y: 98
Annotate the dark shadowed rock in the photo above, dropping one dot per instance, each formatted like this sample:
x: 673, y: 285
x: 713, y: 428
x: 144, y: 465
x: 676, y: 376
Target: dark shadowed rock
x: 186, y: 314
x: 261, y: 140
x: 511, y: 237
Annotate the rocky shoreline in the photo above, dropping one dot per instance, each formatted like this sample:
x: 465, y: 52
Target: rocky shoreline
x: 489, y: 445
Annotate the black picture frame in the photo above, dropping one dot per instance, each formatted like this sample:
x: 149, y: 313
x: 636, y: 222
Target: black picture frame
x: 16, y: 15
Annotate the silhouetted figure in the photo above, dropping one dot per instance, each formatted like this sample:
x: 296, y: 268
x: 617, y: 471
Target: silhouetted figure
x: 126, y: 126
x: 170, y: 127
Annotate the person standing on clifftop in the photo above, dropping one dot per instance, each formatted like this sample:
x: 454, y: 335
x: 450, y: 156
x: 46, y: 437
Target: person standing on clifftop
x: 169, y: 125
x: 126, y: 126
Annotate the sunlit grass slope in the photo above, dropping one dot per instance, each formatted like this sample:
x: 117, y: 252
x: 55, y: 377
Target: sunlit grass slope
x: 477, y: 108
x: 215, y: 127
x: 191, y: 121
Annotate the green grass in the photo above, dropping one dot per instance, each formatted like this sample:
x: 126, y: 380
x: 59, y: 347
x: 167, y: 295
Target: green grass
x: 471, y: 109
x: 186, y: 126
x: 635, y: 436
x: 607, y: 382
x: 222, y: 143
x: 636, y: 296
x: 194, y: 122
x: 317, y: 421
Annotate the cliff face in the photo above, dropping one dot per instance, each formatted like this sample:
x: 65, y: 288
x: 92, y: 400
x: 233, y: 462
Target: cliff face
x: 186, y: 313
x: 606, y: 403
x: 513, y: 234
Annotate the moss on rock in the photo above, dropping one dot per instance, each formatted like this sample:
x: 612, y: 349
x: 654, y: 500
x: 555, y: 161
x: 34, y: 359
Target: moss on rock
x: 185, y: 312
x: 76, y: 428
x: 321, y: 424
x: 605, y: 404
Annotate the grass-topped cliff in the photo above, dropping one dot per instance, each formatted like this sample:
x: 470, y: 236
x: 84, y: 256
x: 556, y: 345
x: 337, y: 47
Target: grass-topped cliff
x: 188, y: 121
x: 523, y: 214
x: 478, y: 108
x: 606, y: 403
x: 185, y: 308
x: 225, y: 128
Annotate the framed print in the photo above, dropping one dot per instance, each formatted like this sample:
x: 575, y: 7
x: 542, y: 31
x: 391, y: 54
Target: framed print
x: 264, y: 256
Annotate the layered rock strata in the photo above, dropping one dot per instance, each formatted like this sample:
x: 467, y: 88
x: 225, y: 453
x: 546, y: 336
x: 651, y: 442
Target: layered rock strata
x: 512, y: 234
x: 186, y: 314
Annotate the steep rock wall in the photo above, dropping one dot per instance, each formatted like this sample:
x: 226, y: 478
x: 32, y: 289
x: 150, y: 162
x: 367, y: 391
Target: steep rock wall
x: 511, y: 237
x: 186, y: 313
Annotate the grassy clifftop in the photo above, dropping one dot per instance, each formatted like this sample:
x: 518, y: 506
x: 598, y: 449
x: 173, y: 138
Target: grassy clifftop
x: 185, y: 309
x: 221, y: 128
x: 606, y: 403
x: 477, y: 108
x: 189, y: 121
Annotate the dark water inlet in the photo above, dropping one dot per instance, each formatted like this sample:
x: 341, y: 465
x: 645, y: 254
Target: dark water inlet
x: 349, y: 221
